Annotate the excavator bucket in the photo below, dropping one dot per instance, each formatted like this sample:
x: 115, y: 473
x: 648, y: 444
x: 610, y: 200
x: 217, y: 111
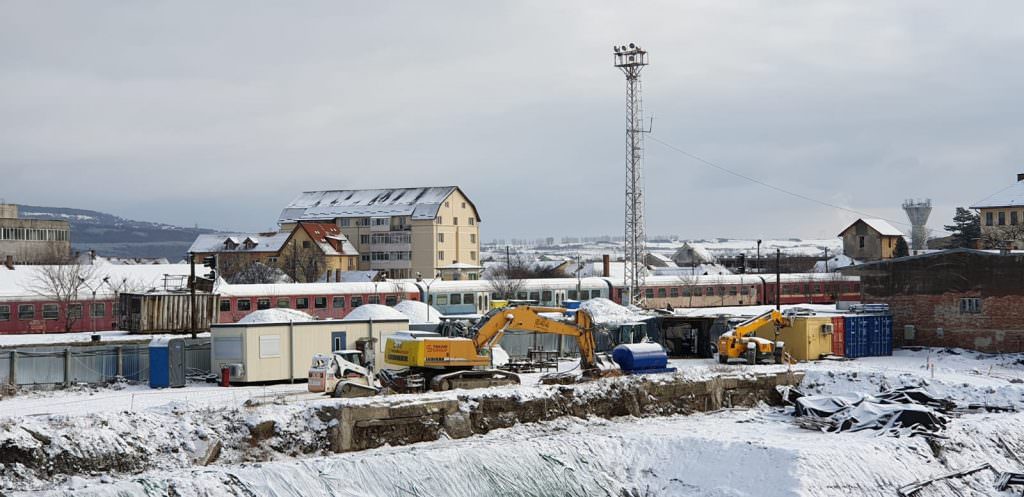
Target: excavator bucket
x: 604, y: 366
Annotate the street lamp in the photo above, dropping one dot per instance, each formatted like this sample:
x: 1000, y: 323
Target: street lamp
x: 758, y: 262
x: 93, y: 303
x: 419, y: 276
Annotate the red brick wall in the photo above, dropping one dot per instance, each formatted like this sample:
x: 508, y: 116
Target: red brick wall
x: 998, y: 328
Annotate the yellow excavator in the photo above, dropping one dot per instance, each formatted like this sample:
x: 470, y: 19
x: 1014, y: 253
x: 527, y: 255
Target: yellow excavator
x: 455, y: 362
x: 740, y: 341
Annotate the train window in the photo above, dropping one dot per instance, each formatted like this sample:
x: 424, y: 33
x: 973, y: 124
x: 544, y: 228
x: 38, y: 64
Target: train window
x: 817, y: 288
x: 535, y: 296
x: 662, y: 293
x: 98, y: 310
x: 244, y: 304
x: 494, y: 296
x: 262, y: 304
x: 442, y: 300
x: 546, y: 296
x: 302, y: 302
x: 686, y: 291
x: 284, y: 302
x: 357, y: 301
x: 710, y: 291
x: 649, y: 293
x: 338, y: 303
x: 467, y: 298
x: 673, y: 292
x: 320, y: 302
x: 50, y: 311
x: 732, y: 290
x: 744, y: 290
x: 75, y: 311
x: 391, y: 300
x: 521, y: 295
x: 721, y: 291
x: 456, y: 298
x: 373, y: 299
x: 573, y: 295
x: 5, y: 313
x: 26, y: 311
x: 225, y: 305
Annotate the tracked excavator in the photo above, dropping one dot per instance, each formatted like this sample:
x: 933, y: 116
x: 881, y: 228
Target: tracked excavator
x: 740, y: 341
x: 445, y: 363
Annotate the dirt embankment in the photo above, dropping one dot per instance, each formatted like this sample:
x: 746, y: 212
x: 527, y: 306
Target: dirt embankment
x: 39, y: 452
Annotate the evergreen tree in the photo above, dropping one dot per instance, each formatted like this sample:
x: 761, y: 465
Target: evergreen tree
x: 901, y: 248
x: 966, y: 228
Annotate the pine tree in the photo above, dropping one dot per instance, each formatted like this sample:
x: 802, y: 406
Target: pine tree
x: 901, y: 248
x: 966, y: 228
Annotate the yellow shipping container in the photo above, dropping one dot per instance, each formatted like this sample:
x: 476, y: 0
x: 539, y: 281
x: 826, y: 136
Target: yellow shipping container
x: 809, y: 337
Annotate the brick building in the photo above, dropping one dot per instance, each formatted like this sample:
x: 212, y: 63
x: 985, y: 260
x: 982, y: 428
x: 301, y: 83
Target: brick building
x: 400, y: 231
x: 302, y: 243
x: 955, y: 298
x: 32, y: 241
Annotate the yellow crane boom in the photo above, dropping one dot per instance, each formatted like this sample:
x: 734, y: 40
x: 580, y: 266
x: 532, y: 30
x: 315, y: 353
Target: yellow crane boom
x: 738, y: 342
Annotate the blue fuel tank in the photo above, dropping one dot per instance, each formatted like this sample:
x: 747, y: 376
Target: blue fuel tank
x: 640, y: 356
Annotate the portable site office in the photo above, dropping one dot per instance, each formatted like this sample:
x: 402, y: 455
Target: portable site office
x: 273, y: 352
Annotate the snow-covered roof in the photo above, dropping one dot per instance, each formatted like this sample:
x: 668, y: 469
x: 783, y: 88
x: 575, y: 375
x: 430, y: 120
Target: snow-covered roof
x: 216, y: 242
x: 698, y: 251
x: 329, y: 238
x: 1012, y: 196
x: 18, y: 284
x: 880, y: 225
x: 834, y: 263
x: 418, y: 203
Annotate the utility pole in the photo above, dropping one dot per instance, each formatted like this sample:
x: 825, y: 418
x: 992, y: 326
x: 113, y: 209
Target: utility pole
x: 757, y: 263
x: 778, y: 279
x: 826, y: 259
x: 192, y: 291
x: 631, y: 59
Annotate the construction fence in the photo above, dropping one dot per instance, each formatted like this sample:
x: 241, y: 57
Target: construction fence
x: 100, y: 363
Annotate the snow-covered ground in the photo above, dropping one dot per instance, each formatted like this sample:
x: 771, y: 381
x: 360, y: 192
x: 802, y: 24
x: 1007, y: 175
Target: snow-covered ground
x: 728, y: 453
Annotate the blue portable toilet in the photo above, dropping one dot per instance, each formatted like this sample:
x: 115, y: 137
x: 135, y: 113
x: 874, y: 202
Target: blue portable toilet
x: 167, y: 362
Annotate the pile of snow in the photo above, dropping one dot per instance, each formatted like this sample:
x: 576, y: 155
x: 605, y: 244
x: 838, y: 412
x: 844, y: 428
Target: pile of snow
x: 604, y: 311
x: 275, y: 316
x: 375, y: 312
x: 419, y: 312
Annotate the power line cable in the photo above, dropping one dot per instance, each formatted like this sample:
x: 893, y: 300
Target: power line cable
x: 771, y: 186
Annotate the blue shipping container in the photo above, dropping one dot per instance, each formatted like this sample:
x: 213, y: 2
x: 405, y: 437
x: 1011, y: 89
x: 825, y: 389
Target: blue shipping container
x: 868, y: 335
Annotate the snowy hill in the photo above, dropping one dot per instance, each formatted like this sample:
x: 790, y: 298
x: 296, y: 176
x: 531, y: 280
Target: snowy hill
x: 112, y: 235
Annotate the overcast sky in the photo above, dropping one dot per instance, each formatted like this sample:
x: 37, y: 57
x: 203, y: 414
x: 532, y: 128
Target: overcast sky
x: 218, y: 113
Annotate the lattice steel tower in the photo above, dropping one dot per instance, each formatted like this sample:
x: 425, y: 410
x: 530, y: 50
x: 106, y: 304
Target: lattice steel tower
x: 918, y: 212
x: 631, y: 59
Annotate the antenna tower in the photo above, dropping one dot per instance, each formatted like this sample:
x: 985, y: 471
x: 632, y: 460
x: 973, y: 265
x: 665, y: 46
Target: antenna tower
x: 631, y: 59
x: 918, y: 212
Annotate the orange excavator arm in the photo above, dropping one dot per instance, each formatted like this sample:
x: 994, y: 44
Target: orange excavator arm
x: 529, y: 318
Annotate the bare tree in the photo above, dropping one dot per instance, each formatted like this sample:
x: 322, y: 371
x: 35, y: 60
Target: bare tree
x: 1003, y: 236
x: 504, y: 285
x: 63, y: 283
x: 256, y: 272
x: 303, y: 264
x: 689, y: 284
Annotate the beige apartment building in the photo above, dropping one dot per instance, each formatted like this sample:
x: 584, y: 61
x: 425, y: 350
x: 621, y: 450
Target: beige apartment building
x: 1002, y: 217
x: 32, y: 241
x: 405, y: 232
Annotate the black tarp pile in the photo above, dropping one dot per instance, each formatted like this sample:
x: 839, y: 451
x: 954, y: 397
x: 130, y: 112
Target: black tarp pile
x: 909, y: 411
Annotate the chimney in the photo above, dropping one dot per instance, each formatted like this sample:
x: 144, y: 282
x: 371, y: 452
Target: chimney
x: 9, y: 262
x: 1020, y: 176
x: 606, y: 265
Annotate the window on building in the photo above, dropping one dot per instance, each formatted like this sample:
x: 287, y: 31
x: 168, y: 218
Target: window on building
x: 440, y: 238
x: 98, y: 310
x: 440, y: 255
x: 473, y: 276
x: 1013, y: 218
x: 344, y: 222
x: 438, y: 220
x: 306, y: 244
x: 472, y: 221
x: 1002, y: 218
x: 320, y: 302
x: 302, y: 302
x: 225, y: 305
x: 26, y: 312
x: 5, y: 313
x: 472, y: 237
x: 390, y: 300
x: 970, y: 305
x: 447, y: 204
x: 364, y: 239
x: 472, y: 255
x: 356, y: 302
x: 988, y: 219
x: 272, y: 260
x: 365, y: 257
x: 463, y: 205
x: 860, y: 241
x: 75, y: 311
x: 50, y: 311
x: 244, y: 304
x: 284, y: 302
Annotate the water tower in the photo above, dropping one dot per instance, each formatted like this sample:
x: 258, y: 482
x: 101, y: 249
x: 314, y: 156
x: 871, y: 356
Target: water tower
x: 918, y: 212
